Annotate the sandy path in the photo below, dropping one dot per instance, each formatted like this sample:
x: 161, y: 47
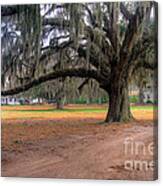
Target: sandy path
x: 95, y: 155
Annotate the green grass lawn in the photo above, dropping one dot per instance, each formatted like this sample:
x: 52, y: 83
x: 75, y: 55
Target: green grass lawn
x: 69, y: 111
x: 86, y: 109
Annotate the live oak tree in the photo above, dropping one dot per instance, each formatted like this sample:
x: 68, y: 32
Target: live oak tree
x: 107, y: 42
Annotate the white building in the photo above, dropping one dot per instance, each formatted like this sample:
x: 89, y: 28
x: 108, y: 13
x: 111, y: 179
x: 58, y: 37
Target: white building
x: 10, y: 101
x: 150, y: 93
x: 37, y: 101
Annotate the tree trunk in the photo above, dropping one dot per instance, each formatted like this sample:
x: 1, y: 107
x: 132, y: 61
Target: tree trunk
x: 119, y: 106
x: 59, y: 104
x: 60, y: 97
x: 141, y: 95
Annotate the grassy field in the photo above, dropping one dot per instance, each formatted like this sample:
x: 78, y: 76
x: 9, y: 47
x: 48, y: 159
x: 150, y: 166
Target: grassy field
x: 49, y: 111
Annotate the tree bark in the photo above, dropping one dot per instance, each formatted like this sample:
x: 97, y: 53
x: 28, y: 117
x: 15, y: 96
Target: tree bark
x: 59, y: 99
x: 59, y: 105
x: 141, y: 95
x: 119, y: 106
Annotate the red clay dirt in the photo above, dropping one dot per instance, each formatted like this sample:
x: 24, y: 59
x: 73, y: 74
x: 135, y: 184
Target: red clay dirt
x: 74, y: 147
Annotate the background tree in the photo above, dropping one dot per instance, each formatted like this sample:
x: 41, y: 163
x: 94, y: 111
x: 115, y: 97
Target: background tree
x: 101, y: 41
x: 69, y: 90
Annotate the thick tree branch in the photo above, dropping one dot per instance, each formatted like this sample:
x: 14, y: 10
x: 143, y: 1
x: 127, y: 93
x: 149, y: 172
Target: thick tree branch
x: 124, y: 11
x: 85, y: 82
x: 56, y: 22
x: 109, y: 32
x: 80, y: 72
x: 12, y: 10
x: 54, y: 49
x: 9, y: 10
x: 92, y: 18
x: 133, y: 35
x: 133, y: 30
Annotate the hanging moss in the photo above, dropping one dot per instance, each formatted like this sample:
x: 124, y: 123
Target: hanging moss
x: 98, y: 14
x: 76, y: 22
x: 30, y: 20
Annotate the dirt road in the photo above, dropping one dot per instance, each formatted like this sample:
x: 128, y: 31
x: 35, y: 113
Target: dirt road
x: 95, y: 152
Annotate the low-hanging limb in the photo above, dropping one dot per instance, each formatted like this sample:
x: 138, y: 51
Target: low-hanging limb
x: 80, y: 72
x: 85, y: 82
